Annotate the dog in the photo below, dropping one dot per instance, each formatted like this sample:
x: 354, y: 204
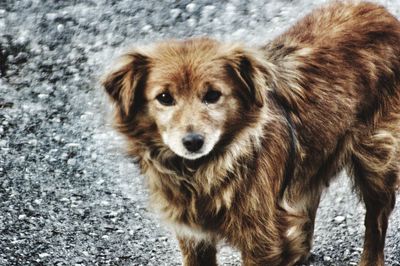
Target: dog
x: 238, y: 143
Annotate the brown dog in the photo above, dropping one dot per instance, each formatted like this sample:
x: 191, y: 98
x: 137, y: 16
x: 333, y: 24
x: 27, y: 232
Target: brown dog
x: 238, y: 144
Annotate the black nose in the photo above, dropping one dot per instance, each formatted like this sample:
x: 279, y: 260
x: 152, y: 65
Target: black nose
x: 193, y: 142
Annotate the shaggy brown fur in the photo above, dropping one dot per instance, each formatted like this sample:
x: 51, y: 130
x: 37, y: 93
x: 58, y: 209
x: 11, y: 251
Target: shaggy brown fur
x: 287, y: 117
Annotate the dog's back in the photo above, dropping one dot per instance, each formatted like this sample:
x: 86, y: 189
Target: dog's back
x: 339, y: 72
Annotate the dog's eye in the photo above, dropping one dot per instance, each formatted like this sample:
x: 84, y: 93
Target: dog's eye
x: 212, y: 96
x: 165, y: 99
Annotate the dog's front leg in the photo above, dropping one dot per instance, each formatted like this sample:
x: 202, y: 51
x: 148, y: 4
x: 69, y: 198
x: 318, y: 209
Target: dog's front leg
x: 198, y: 252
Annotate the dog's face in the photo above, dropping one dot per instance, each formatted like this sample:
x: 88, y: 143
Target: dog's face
x: 193, y: 91
x: 190, y: 105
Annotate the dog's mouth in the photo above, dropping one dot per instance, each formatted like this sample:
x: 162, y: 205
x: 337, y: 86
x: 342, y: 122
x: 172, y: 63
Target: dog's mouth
x: 192, y: 156
x: 192, y: 146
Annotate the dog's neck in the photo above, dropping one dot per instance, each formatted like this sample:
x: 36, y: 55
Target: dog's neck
x: 293, y: 142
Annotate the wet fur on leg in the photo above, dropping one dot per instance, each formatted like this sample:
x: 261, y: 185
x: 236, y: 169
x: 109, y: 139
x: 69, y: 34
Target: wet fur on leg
x: 321, y: 97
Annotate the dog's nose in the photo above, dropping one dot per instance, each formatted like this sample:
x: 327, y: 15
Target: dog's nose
x: 193, y: 142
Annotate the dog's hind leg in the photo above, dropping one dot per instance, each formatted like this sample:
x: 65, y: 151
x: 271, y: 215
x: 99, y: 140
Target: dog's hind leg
x: 374, y: 166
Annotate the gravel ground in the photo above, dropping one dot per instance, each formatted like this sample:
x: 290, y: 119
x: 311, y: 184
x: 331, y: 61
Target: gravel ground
x: 68, y: 194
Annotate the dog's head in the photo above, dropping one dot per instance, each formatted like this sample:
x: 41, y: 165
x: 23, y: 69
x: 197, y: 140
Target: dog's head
x: 195, y: 93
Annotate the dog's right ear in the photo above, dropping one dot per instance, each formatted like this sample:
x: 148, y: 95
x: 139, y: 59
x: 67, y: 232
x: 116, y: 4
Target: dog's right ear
x: 126, y: 82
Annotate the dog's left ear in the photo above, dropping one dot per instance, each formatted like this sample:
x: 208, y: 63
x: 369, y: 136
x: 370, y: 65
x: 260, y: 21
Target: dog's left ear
x: 126, y: 82
x: 249, y: 73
